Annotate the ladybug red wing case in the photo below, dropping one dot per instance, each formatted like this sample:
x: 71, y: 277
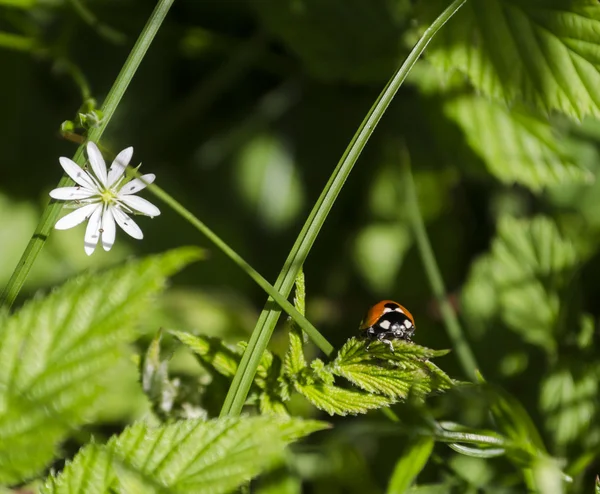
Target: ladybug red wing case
x: 387, y: 321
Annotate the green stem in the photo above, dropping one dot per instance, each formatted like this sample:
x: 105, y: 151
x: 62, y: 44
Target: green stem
x: 455, y: 332
x: 236, y: 396
x: 52, y: 211
x: 312, y: 332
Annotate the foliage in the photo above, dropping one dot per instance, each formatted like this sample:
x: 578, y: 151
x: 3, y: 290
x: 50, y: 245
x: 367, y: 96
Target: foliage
x: 57, y: 354
x: 243, y: 110
x: 380, y: 376
x: 542, y: 53
x: 189, y: 456
x: 530, y: 265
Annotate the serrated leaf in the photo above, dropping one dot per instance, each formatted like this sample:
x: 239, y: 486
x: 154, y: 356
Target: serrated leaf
x: 91, y: 471
x: 271, y: 404
x: 569, y: 399
x: 55, y: 354
x: 211, y: 352
x: 339, y: 401
x: 189, y: 456
x: 410, y: 464
x: 395, y: 375
x: 521, y: 280
x: 516, y: 146
x: 543, y: 52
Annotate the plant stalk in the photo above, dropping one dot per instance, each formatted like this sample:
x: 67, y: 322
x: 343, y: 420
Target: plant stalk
x: 53, y: 209
x: 453, y: 328
x: 240, y: 386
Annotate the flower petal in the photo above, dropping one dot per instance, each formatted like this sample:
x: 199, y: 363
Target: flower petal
x: 77, y: 174
x: 92, y: 232
x: 118, y: 165
x: 127, y: 224
x: 72, y: 193
x: 109, y: 229
x: 97, y: 162
x: 76, y: 217
x: 137, y: 184
x: 140, y: 204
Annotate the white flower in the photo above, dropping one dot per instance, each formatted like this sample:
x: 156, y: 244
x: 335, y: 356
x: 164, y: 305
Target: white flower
x: 103, y: 198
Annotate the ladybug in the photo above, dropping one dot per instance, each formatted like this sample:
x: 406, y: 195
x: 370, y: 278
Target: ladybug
x: 387, y: 321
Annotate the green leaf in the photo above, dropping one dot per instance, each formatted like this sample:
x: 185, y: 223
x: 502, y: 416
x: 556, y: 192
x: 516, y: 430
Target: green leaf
x: 521, y: 281
x: 410, y: 464
x: 211, y: 352
x: 569, y: 399
x: 597, y: 484
x: 543, y: 52
x: 395, y: 375
x: 190, y: 456
x: 219, y: 358
x: 514, y: 421
x: 516, y: 146
x: 271, y: 403
x: 56, y: 354
x: 339, y: 401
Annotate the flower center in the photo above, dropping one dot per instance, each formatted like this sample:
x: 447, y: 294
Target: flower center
x: 107, y: 196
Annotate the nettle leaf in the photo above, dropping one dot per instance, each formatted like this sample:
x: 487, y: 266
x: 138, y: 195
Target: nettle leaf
x: 383, y: 376
x: 56, y: 354
x: 516, y: 146
x: 339, y: 401
x: 190, y: 456
x: 218, y: 357
x: 212, y: 352
x: 569, y: 399
x: 271, y: 403
x: 395, y: 375
x: 543, y: 52
x: 521, y: 280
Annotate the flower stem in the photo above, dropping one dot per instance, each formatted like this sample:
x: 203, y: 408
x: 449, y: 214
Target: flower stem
x: 240, y: 386
x: 312, y: 332
x: 52, y: 211
x: 453, y: 328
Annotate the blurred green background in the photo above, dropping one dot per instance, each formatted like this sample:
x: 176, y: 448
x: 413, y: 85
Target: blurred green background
x: 242, y: 110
